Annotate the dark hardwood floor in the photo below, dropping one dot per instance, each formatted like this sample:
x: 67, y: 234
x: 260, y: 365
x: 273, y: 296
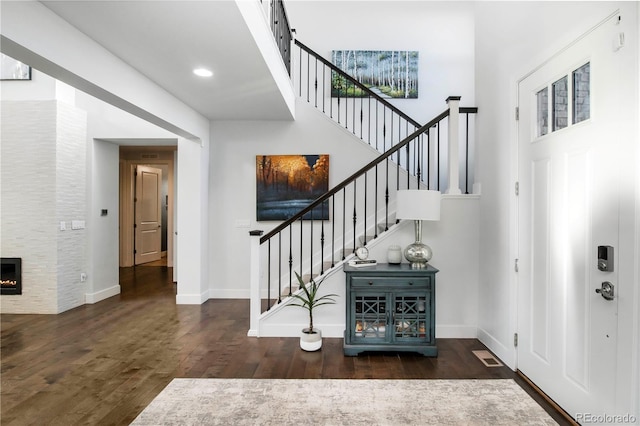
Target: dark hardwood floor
x: 103, y: 363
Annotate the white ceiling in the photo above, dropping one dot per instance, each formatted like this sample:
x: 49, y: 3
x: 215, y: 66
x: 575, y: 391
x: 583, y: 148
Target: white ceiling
x: 166, y: 40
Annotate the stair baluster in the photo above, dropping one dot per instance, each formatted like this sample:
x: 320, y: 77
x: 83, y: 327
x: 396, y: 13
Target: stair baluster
x: 397, y: 136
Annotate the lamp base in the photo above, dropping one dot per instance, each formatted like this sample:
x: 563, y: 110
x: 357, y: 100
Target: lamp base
x: 418, y: 254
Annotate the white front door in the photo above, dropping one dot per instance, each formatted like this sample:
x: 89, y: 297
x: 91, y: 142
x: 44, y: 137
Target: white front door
x: 148, y: 218
x: 568, y: 206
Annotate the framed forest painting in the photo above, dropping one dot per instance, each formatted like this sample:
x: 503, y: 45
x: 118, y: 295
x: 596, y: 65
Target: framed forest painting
x: 288, y: 183
x: 389, y: 73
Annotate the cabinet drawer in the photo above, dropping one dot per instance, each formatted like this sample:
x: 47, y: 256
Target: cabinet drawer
x: 390, y: 282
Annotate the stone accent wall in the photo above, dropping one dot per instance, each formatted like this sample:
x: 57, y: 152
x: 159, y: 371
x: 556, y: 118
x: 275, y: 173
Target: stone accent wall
x: 43, y: 175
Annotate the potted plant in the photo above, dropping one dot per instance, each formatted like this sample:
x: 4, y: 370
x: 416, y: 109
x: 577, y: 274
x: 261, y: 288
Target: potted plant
x: 311, y: 338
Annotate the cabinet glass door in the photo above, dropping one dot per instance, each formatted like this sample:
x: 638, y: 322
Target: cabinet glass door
x: 370, y: 317
x: 410, y: 317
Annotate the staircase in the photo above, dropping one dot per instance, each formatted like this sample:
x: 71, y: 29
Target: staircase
x: 362, y: 207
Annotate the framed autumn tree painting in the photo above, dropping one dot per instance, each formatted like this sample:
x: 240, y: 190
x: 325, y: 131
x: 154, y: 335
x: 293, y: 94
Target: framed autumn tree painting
x: 288, y: 183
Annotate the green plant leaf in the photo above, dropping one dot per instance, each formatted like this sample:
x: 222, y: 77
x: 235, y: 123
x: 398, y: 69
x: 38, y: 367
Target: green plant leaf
x: 309, y: 298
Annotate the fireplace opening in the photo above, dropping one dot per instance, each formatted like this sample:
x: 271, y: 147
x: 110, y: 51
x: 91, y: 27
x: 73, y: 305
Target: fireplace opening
x: 10, y: 275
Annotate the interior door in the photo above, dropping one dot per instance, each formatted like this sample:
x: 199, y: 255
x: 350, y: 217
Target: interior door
x: 568, y: 207
x: 148, y: 218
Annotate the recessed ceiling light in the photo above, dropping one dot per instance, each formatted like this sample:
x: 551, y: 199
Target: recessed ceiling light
x: 202, y: 72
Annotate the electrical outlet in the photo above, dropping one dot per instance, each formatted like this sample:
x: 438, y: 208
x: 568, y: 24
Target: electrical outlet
x: 83, y: 277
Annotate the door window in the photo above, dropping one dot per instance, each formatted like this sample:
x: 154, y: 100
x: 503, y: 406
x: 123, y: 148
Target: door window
x: 560, y: 104
x: 556, y: 111
x: 582, y: 93
x: 542, y: 101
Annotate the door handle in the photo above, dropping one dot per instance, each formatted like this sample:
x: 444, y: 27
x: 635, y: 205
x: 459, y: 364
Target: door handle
x: 606, y: 291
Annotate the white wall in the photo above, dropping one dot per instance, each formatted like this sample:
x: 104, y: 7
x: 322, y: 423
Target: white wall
x: 71, y: 204
x: 442, y: 33
x: 193, y: 218
x: 232, y: 183
x: 107, y: 127
x: 102, y: 270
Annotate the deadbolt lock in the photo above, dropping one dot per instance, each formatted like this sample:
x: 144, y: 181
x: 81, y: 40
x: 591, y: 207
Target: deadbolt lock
x: 605, y: 258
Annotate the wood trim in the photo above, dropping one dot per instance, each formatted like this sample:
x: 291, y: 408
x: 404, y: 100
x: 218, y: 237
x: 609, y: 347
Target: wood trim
x: 126, y: 215
x: 548, y: 399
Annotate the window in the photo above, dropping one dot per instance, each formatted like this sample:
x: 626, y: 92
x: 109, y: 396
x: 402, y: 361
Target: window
x: 560, y: 104
x: 542, y: 98
x: 576, y: 84
x: 582, y: 93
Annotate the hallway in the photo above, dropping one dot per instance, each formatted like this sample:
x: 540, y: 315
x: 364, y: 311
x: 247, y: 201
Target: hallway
x: 103, y: 363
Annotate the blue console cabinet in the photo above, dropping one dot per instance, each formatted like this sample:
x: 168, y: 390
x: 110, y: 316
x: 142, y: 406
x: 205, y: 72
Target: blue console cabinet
x: 390, y: 308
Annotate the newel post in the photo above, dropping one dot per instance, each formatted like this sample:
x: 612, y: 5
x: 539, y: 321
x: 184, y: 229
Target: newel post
x: 454, y: 157
x: 254, y: 272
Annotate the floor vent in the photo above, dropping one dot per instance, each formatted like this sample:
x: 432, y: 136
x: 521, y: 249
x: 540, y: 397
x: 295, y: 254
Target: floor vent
x: 487, y: 358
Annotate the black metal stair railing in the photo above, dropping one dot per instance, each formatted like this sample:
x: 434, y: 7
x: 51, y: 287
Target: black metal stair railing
x: 360, y: 207
x: 281, y: 29
x: 368, y: 116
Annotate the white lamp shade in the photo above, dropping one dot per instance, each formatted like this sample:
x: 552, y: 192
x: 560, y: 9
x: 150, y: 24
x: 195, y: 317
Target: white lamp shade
x: 418, y: 204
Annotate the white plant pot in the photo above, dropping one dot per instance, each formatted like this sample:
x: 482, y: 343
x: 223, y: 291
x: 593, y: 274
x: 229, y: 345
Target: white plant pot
x: 310, y: 342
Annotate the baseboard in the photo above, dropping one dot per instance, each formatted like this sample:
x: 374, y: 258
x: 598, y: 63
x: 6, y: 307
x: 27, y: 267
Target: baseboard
x: 456, y: 332
x: 228, y: 293
x: 91, y: 298
x: 337, y: 330
x: 505, y: 354
x: 293, y: 330
x: 192, y: 299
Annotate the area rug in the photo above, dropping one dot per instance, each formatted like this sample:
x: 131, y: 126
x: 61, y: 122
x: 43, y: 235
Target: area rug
x: 342, y: 402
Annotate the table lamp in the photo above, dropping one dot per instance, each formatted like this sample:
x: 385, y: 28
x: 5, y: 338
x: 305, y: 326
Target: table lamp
x: 419, y: 205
